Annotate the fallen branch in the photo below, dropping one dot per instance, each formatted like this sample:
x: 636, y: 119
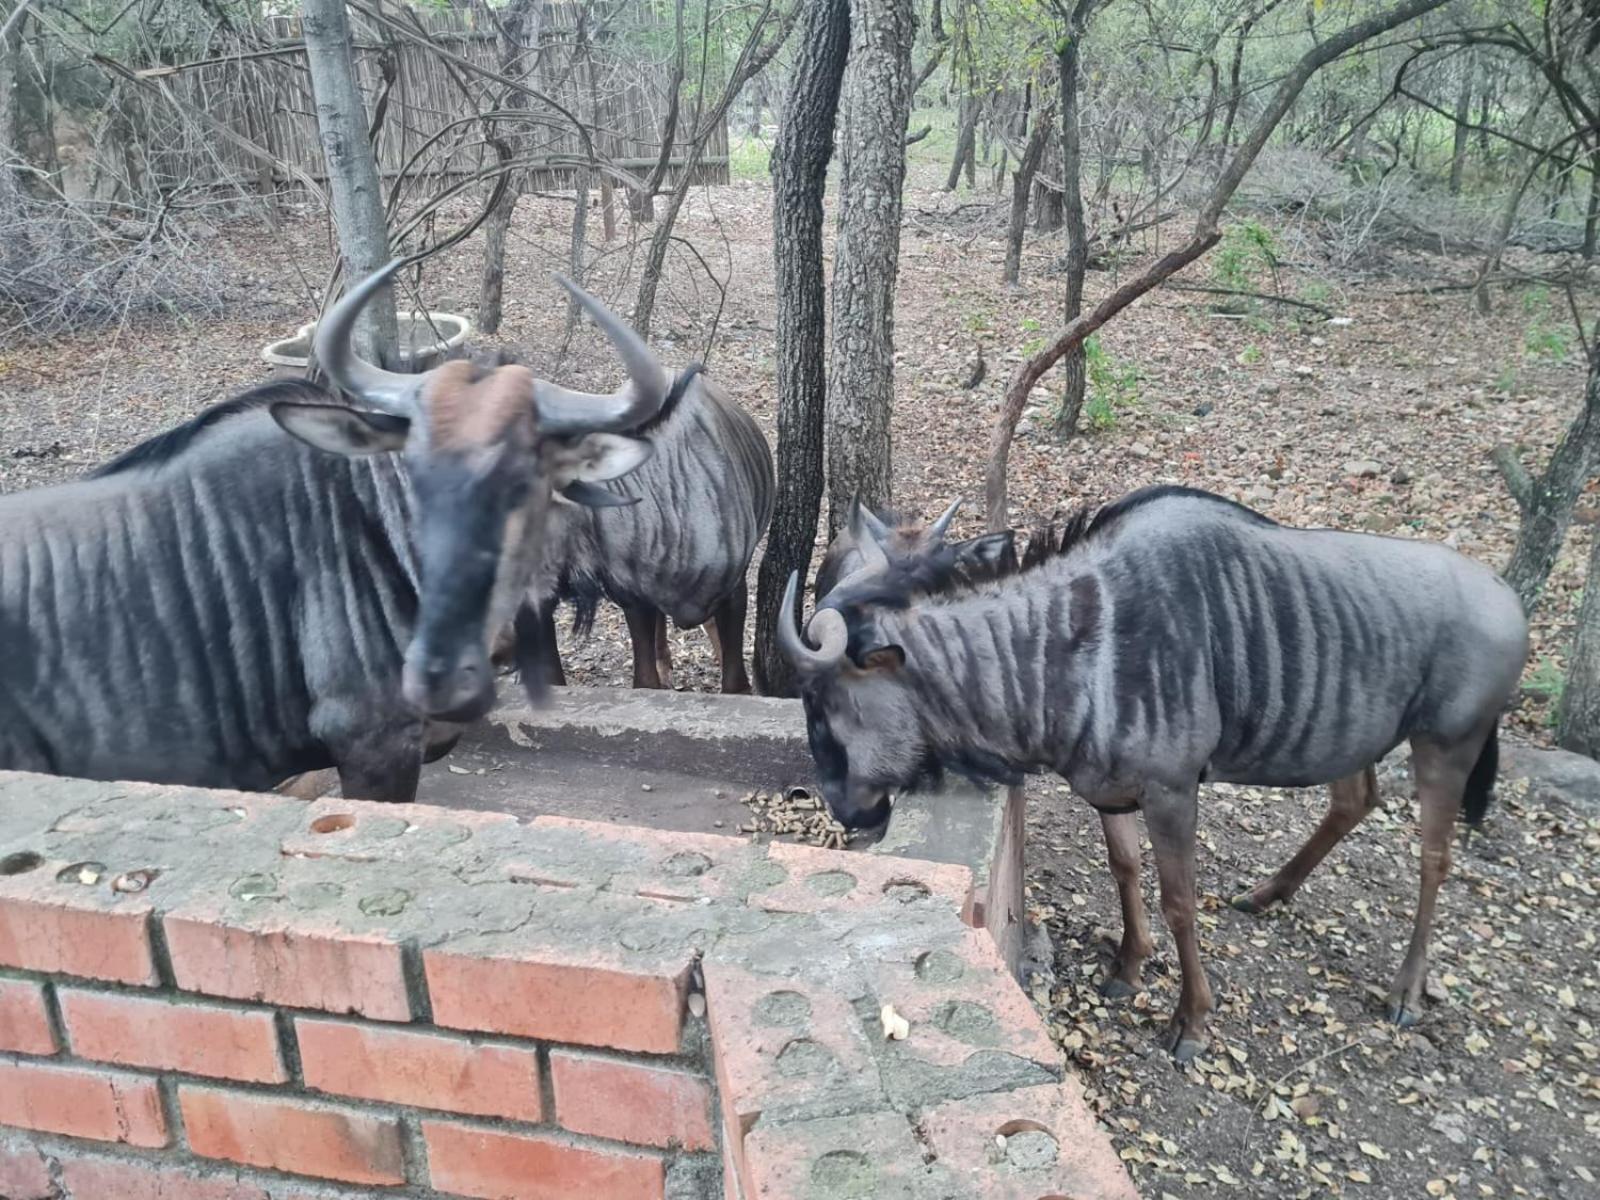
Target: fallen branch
x: 1325, y: 313
x: 913, y: 138
x: 1518, y: 482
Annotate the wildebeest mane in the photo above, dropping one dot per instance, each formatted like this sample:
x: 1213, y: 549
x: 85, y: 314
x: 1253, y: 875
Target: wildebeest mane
x: 164, y: 447
x: 928, y: 575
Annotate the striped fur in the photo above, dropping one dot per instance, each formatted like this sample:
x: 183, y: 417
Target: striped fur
x: 1185, y: 637
x: 699, y: 507
x: 227, y: 606
x: 1172, y: 637
x: 926, y: 562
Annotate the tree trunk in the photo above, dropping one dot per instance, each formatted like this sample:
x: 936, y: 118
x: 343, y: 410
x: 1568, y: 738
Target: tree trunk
x: 1064, y: 422
x: 1458, y: 154
x: 519, y: 41
x: 800, y: 156
x: 1591, y: 222
x: 1021, y: 189
x: 10, y: 143
x: 1578, y: 721
x: 1547, y: 501
x: 966, y: 145
x: 876, y: 103
x: 358, y: 205
x: 642, y: 201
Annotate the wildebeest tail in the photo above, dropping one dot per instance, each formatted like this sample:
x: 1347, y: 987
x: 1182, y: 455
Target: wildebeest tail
x: 1480, y: 784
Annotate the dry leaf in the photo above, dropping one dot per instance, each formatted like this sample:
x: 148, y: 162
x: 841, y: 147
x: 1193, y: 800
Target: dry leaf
x: 895, y: 1027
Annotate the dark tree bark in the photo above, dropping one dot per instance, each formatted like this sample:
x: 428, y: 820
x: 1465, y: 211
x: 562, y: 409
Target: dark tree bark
x: 1547, y: 500
x: 876, y: 104
x: 1578, y: 721
x: 1206, y: 234
x: 1022, y: 189
x: 358, y: 204
x: 966, y: 145
x: 1458, y: 152
x: 1591, y: 222
x: 1070, y: 408
x: 800, y: 157
x: 10, y: 143
x: 519, y: 41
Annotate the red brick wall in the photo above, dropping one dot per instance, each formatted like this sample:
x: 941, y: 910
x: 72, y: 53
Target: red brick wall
x: 212, y: 996
x: 114, y: 1091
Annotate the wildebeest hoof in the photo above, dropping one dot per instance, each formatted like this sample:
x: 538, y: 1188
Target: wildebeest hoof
x: 1117, y: 989
x: 1246, y: 902
x: 1179, y: 1041
x: 1403, y: 1014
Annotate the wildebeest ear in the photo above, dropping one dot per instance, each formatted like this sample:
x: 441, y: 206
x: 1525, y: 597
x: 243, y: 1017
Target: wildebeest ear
x: 591, y: 496
x: 991, y: 551
x: 883, y: 658
x: 595, y: 458
x: 341, y: 430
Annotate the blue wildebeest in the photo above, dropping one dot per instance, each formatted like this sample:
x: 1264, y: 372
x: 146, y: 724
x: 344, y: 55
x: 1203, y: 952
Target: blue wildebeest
x: 226, y: 605
x: 921, y: 550
x: 1168, y: 638
x: 671, y: 539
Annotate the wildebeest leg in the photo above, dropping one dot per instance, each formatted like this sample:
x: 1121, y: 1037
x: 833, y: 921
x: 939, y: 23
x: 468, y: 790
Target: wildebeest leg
x: 1169, y: 814
x: 663, y: 650
x: 1349, y: 800
x: 1441, y: 773
x: 1122, y: 849
x: 642, y: 632
x: 729, y: 621
x: 539, y: 622
x: 715, y: 639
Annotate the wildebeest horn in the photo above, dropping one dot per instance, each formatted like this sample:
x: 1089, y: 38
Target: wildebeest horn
x: 829, y: 626
x: 939, y: 528
x: 387, y: 390
x: 868, y: 519
x: 563, y: 410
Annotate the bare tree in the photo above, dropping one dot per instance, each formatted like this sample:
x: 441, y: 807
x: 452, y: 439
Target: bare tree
x: 800, y: 158
x: 1578, y: 721
x: 1065, y: 421
x: 518, y: 24
x: 358, y: 204
x: 877, y: 106
x: 1206, y: 233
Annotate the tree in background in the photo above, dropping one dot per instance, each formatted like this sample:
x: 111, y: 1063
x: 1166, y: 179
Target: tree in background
x: 800, y: 158
x: 876, y: 104
x: 358, y: 206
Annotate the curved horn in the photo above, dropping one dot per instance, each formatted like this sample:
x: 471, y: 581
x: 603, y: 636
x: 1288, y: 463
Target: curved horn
x: 563, y: 410
x: 382, y: 389
x: 829, y: 624
x: 939, y: 528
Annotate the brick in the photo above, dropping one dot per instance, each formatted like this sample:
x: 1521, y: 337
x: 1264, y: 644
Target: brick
x: 300, y: 966
x: 103, y: 1105
x: 1052, y: 1146
x: 786, y: 1046
x: 423, y: 1070
x: 826, y: 880
x: 46, y: 932
x: 572, y: 993
x: 292, y: 1136
x: 198, y: 1039
x: 871, y: 1154
x: 24, y: 1174
x: 967, y: 1015
x: 103, y: 1179
x: 631, y: 1102
x: 490, y: 1165
x: 24, y: 1024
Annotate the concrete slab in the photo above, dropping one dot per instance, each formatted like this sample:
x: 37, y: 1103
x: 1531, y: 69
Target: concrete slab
x: 682, y: 761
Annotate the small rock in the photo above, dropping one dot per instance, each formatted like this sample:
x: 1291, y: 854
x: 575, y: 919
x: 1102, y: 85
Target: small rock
x: 1141, y: 449
x: 1204, y: 408
x: 1362, y: 468
x: 1269, y: 387
x: 1262, y: 494
x: 1400, y: 477
x: 1453, y: 1126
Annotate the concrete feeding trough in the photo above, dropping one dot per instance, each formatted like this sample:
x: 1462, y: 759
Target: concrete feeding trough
x: 684, y: 762
x: 425, y: 339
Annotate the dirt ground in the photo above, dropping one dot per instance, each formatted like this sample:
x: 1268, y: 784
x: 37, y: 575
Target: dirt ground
x: 1383, y: 421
